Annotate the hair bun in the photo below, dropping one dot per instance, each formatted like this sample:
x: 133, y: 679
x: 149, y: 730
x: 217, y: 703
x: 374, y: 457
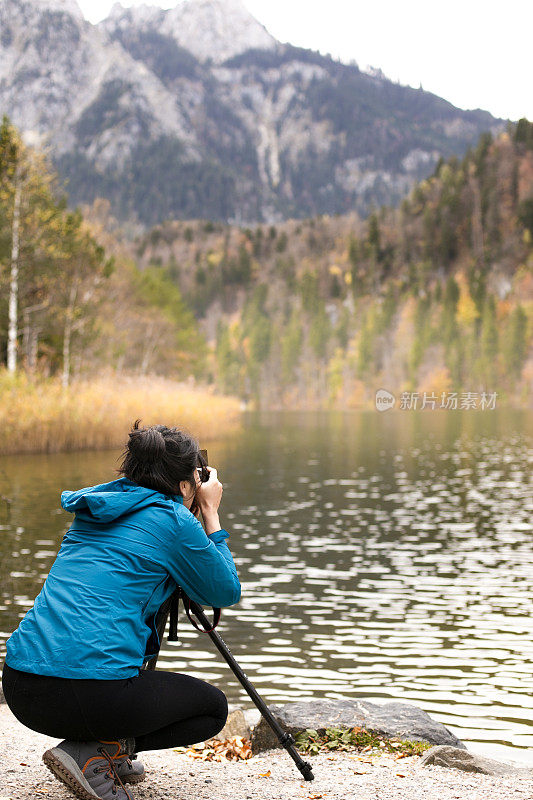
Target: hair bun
x: 160, y: 458
x: 147, y: 444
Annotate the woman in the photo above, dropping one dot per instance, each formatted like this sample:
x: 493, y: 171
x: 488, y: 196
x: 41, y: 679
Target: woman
x: 73, y: 666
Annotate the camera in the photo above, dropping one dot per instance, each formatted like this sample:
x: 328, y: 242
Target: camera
x: 203, y: 472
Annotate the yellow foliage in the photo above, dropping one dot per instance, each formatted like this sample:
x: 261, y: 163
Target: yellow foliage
x: 405, y: 321
x: 358, y: 398
x: 41, y: 416
x: 335, y: 270
x: 234, y: 328
x: 466, y: 308
x: 214, y: 259
x: 348, y: 278
x: 436, y: 381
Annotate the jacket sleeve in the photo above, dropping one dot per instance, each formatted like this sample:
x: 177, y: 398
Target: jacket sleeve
x: 202, y: 564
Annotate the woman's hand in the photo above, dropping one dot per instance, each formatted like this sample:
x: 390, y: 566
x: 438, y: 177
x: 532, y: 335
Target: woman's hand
x: 209, y: 494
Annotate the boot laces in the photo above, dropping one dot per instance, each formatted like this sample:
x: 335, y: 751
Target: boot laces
x: 112, y: 770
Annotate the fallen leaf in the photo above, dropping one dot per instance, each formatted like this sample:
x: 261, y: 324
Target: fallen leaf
x: 264, y: 774
x: 236, y: 748
x: 401, y: 775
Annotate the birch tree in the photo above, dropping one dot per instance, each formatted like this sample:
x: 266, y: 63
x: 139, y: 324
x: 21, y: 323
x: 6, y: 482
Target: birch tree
x: 26, y: 208
x: 10, y: 195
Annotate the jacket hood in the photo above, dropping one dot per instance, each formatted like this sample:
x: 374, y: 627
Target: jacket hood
x: 109, y: 501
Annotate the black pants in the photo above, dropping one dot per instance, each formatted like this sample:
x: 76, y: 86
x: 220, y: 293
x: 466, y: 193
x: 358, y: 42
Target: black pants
x: 160, y: 709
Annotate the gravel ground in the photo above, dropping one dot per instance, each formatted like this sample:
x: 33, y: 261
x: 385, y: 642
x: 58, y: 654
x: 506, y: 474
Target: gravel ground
x: 175, y: 776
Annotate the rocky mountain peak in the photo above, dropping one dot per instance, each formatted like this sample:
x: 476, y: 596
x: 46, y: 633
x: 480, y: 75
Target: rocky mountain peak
x: 139, y: 16
x: 209, y: 29
x: 70, y: 7
x: 217, y: 29
x: 138, y: 109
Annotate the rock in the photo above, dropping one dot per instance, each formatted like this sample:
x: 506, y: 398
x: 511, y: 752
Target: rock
x: 252, y: 717
x: 400, y: 720
x: 236, y: 725
x: 456, y: 758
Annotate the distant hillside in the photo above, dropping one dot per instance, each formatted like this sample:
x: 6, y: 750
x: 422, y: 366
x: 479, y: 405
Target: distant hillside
x: 199, y: 112
x: 436, y: 295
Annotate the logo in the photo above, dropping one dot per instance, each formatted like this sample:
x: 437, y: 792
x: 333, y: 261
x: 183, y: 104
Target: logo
x: 384, y: 400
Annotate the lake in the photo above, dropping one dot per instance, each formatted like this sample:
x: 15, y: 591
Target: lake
x: 385, y: 556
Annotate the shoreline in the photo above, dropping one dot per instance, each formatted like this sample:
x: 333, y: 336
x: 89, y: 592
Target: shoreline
x: 272, y: 775
x: 40, y: 416
x: 44, y: 417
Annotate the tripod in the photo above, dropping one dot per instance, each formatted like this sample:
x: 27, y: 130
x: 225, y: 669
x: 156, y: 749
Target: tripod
x: 170, y: 608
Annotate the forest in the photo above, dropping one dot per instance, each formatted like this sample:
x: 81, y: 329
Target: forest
x: 433, y: 295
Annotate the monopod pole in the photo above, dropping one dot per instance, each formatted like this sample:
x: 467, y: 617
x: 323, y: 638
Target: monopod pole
x: 285, y: 739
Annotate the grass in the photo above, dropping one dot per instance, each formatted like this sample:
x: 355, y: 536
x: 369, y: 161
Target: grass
x: 312, y: 742
x: 40, y: 416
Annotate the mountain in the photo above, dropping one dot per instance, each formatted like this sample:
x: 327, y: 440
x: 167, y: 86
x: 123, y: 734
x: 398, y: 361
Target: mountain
x: 434, y: 296
x: 210, y: 29
x: 199, y: 112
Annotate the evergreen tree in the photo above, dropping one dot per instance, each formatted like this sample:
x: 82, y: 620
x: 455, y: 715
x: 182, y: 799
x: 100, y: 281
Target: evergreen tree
x: 355, y: 258
x: 291, y: 347
x: 374, y: 244
x: 422, y: 334
x: 342, y: 330
x: 516, y: 342
x: 525, y: 214
x: 524, y: 132
x: 309, y: 292
x: 365, y: 350
x: 489, y: 342
x: 319, y: 333
x: 449, y: 323
x: 260, y: 339
x: 227, y: 361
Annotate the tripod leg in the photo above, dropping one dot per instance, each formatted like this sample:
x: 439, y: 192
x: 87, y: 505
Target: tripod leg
x: 285, y: 739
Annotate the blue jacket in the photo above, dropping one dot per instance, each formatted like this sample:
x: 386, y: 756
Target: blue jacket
x: 122, y: 557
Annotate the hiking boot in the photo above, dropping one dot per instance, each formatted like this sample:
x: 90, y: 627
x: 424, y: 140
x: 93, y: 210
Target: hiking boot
x: 90, y: 769
x: 131, y: 770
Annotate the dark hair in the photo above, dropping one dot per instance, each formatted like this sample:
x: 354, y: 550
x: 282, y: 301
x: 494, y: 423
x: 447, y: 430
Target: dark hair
x: 159, y: 458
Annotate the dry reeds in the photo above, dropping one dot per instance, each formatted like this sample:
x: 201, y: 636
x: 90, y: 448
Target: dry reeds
x: 40, y: 416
